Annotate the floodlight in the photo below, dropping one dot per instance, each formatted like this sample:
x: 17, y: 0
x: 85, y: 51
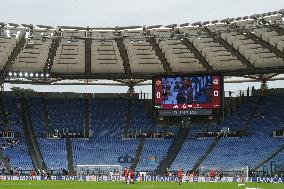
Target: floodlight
x: 26, y: 74
x: 31, y: 74
x: 15, y: 74
x: 10, y: 74
x: 21, y: 74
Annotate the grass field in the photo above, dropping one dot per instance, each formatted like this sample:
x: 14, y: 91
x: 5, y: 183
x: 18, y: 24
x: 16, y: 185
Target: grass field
x: 119, y: 185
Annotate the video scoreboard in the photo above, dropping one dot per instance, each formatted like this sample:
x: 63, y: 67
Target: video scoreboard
x: 187, y: 95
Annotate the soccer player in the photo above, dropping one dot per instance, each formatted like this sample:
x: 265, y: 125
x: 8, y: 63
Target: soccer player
x: 33, y: 174
x: 179, y: 174
x: 125, y: 173
x: 212, y: 174
x: 131, y: 176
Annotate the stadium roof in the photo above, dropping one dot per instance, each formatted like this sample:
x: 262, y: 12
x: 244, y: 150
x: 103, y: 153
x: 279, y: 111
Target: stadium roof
x: 232, y: 46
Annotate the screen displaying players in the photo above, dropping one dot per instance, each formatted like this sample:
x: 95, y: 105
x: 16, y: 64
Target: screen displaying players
x: 187, y: 92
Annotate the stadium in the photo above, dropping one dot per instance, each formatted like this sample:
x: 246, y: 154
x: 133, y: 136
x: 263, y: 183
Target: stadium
x: 186, y: 131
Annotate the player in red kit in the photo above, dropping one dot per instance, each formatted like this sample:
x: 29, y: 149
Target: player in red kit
x: 125, y: 173
x: 131, y: 176
x: 179, y: 175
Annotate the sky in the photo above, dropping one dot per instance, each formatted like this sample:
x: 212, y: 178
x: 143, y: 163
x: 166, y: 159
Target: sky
x: 129, y: 12
x: 110, y: 13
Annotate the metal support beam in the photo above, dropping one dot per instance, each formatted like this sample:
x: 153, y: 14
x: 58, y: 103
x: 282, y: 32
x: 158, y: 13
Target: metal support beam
x: 230, y: 48
x: 160, y: 54
x: 20, y: 45
x: 51, y: 54
x: 197, y: 55
x: 88, y: 55
x: 124, y: 56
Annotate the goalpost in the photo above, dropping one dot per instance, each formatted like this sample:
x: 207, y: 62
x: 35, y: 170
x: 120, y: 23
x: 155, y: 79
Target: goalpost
x: 98, y: 169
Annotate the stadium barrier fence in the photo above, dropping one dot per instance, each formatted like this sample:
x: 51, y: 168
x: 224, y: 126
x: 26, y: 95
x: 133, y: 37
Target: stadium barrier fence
x: 151, y: 179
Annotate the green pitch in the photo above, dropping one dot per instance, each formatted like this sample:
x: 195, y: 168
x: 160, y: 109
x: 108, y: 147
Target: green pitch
x: 119, y: 185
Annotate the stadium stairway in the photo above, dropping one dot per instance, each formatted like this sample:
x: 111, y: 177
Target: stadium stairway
x: 173, y: 151
x: 4, y: 160
x: 45, y: 114
x: 206, y: 153
x: 36, y: 156
x: 128, y: 116
x: 3, y: 111
x: 138, y: 153
x: 268, y: 158
x: 69, y: 156
x: 87, y: 116
x: 252, y: 114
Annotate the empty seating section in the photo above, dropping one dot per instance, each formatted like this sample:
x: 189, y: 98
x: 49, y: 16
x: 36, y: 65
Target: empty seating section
x: 17, y: 153
x: 191, y: 151
x: 178, y: 55
x: 36, y: 112
x: 106, y: 144
x: 272, y: 108
x: 142, y: 58
x: 238, y: 119
x: 13, y: 108
x: 102, y: 152
x: 140, y: 119
x: 277, y: 160
x: 106, y: 57
x: 271, y: 37
x: 54, y: 153
x: 259, y: 56
x: 237, y: 153
x: 108, y: 116
x: 33, y: 56
x: 66, y: 114
x: 70, y: 57
x: 249, y: 151
x: 7, y: 46
x: 154, y: 151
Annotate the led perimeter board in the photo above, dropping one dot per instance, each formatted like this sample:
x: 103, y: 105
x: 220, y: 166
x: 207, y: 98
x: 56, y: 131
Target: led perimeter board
x: 197, y: 94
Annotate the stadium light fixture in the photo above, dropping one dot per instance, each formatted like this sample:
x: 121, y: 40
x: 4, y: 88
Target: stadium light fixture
x: 47, y: 75
x: 15, y: 74
x: 26, y: 74
x: 21, y: 74
x: 36, y: 74
x: 31, y: 74
x: 10, y: 74
x: 42, y: 75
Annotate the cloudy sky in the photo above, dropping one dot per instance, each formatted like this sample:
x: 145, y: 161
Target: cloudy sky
x: 100, y: 13
x: 129, y: 12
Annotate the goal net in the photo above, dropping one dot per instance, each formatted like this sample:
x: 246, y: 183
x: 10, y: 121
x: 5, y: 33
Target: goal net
x: 98, y: 169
